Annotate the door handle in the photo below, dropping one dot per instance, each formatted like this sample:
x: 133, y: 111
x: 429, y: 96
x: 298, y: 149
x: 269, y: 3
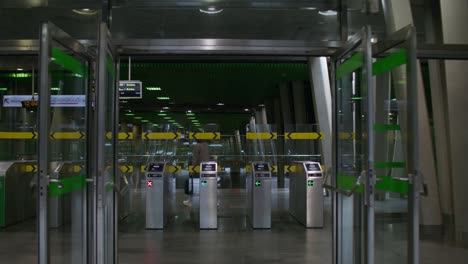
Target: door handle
x: 59, y: 182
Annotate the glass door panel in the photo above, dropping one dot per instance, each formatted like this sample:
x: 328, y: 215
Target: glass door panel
x: 353, y: 171
x: 62, y: 148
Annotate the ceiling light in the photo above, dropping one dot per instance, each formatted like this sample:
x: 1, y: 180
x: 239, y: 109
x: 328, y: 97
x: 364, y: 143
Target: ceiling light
x: 55, y: 88
x: 129, y: 114
x: 190, y: 114
x: 220, y: 104
x: 166, y: 108
x: 309, y: 8
x: 19, y: 69
x: 328, y: 13
x: 144, y: 121
x: 85, y: 11
x: 138, y: 117
x: 261, y: 105
x: 3, y: 89
x: 162, y: 114
x: 167, y: 117
x: 189, y: 111
x: 163, y: 98
x: 246, y: 109
x: 153, y: 88
x: 211, y: 10
x: 191, y: 117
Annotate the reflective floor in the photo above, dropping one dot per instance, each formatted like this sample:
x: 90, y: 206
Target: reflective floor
x: 233, y: 242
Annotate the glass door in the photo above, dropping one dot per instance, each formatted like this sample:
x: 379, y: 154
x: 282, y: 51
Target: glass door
x: 104, y: 152
x: 353, y: 177
x: 62, y: 148
x: 396, y: 151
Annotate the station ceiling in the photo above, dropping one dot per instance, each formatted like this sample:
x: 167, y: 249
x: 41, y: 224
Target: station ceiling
x: 220, y: 93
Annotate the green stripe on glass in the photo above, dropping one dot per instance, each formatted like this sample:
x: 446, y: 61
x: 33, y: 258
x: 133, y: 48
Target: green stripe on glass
x: 68, y: 62
x: 382, y: 127
x: 110, y: 65
x: 390, y: 62
x: 347, y: 182
x: 2, y: 202
x: 383, y: 165
x: 350, y: 65
x: 388, y: 184
x: 69, y: 185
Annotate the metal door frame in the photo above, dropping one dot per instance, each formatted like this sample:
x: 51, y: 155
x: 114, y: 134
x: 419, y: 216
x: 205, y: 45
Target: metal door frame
x: 360, y: 41
x: 105, y: 47
x: 49, y: 33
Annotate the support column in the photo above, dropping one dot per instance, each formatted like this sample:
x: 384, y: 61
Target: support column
x: 280, y: 141
x: 320, y: 82
x: 299, y: 102
x: 455, y: 31
x: 398, y: 15
x: 286, y: 109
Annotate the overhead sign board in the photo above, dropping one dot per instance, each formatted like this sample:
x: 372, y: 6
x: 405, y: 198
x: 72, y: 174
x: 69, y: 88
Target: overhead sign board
x: 55, y: 100
x: 130, y: 90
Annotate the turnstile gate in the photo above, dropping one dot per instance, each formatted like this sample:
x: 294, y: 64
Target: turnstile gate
x: 208, y: 188
x: 158, y: 184
x: 258, y: 185
x: 306, y: 194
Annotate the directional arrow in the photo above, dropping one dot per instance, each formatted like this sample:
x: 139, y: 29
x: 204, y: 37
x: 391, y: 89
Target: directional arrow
x: 262, y: 135
x: 203, y: 183
x: 143, y: 168
x: 161, y: 135
x: 30, y: 168
x: 172, y: 168
x: 125, y: 135
x: 194, y: 169
x: 274, y: 168
x: 205, y: 135
x: 18, y: 135
x: 126, y: 169
x: 310, y: 183
x: 258, y: 183
x: 304, y: 135
x: 290, y: 168
x: 67, y: 135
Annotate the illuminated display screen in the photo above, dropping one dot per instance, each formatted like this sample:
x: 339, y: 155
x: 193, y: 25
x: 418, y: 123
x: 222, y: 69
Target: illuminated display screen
x: 261, y: 167
x: 130, y: 90
x: 156, y: 167
x: 313, y: 167
x: 208, y: 167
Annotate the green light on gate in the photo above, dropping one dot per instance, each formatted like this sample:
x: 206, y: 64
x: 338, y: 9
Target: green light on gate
x: 258, y: 183
x: 19, y: 75
x: 203, y: 183
x: 310, y: 183
x: 356, y: 98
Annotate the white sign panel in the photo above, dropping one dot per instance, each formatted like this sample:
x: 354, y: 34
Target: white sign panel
x: 55, y: 100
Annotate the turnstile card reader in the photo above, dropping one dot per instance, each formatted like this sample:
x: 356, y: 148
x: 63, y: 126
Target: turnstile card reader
x: 306, y: 194
x: 258, y: 185
x: 158, y: 184
x: 208, y: 188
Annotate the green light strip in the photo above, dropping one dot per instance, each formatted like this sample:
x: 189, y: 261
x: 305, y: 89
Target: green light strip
x: 390, y: 62
x: 384, y: 127
x: 347, y: 182
x: 384, y: 165
x: 350, y: 65
x: 68, y: 62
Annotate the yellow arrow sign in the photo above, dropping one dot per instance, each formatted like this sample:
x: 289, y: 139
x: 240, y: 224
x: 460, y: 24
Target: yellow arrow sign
x: 172, y: 168
x: 303, y: 135
x: 30, y: 168
x: 67, y: 135
x: 122, y: 135
x: 143, y: 168
x: 77, y: 168
x: 161, y: 135
x: 194, y: 169
x: 262, y: 135
x: 205, y: 135
x: 126, y: 168
x: 274, y: 168
x: 347, y: 135
x: 290, y: 168
x: 18, y: 135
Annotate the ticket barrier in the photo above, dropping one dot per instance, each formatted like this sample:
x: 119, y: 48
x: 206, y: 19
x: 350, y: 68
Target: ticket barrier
x: 158, y: 185
x: 306, y: 194
x: 17, y: 195
x: 259, y: 185
x: 208, y: 198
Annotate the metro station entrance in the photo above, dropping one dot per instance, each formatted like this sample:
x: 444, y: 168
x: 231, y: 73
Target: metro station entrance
x: 83, y: 187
